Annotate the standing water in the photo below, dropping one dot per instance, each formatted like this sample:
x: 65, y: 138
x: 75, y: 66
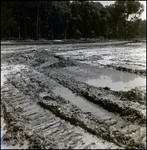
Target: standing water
x: 117, y: 80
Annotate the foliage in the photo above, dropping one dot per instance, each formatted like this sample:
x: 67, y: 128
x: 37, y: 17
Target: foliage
x: 66, y: 19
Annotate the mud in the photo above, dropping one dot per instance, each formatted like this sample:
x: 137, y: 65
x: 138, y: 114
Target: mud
x: 101, y: 77
x: 105, y: 98
x: 48, y: 102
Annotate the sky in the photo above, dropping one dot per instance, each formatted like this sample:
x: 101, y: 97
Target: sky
x: 143, y: 15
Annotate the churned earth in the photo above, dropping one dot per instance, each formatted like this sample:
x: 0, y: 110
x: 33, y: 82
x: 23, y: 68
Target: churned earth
x: 65, y: 95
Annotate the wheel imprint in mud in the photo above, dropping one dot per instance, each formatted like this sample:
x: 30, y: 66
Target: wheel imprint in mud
x: 35, y: 87
x: 49, y: 126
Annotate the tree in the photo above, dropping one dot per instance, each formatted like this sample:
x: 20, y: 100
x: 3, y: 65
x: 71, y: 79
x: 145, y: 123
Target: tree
x: 19, y: 13
x: 37, y: 3
x: 104, y: 17
x: 66, y: 19
x: 75, y: 21
x: 63, y: 16
x: 96, y: 20
x: 142, y: 29
x: 8, y: 24
x: 123, y: 9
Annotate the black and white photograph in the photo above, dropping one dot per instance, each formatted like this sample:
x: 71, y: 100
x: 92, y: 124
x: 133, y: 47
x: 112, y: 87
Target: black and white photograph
x: 73, y: 74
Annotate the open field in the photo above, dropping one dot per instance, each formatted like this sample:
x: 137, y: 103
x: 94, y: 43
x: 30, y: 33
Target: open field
x: 82, y: 95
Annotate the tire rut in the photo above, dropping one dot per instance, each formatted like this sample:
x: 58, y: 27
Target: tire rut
x: 50, y: 126
x: 107, y: 127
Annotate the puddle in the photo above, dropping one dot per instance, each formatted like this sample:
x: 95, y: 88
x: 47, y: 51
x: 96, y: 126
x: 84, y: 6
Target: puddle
x: 101, y: 77
x: 118, y: 81
x: 85, y: 105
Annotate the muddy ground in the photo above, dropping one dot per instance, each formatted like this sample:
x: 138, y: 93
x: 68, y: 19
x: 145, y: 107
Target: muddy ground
x: 83, y: 95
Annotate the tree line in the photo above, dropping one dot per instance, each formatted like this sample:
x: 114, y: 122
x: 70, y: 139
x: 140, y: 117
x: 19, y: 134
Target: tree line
x: 71, y: 19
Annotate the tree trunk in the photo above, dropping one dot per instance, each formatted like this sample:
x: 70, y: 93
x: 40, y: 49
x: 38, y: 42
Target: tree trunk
x: 66, y: 27
x: 106, y: 33
x: 18, y: 24
x: 65, y: 33
x: 118, y: 29
x: 25, y: 25
x: 52, y: 31
x: 39, y: 34
x: 37, y: 21
x: 125, y: 30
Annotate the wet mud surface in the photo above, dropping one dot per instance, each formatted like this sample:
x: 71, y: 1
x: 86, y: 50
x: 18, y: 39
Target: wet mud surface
x: 59, y: 96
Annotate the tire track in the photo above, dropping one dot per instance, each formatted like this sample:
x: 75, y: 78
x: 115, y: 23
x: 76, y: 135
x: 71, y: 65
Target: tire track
x: 44, y: 122
x: 30, y: 88
x: 111, y: 123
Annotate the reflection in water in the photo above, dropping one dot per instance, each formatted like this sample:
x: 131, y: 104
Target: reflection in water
x: 102, y: 77
x: 84, y: 104
x: 117, y: 84
x: 117, y: 76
